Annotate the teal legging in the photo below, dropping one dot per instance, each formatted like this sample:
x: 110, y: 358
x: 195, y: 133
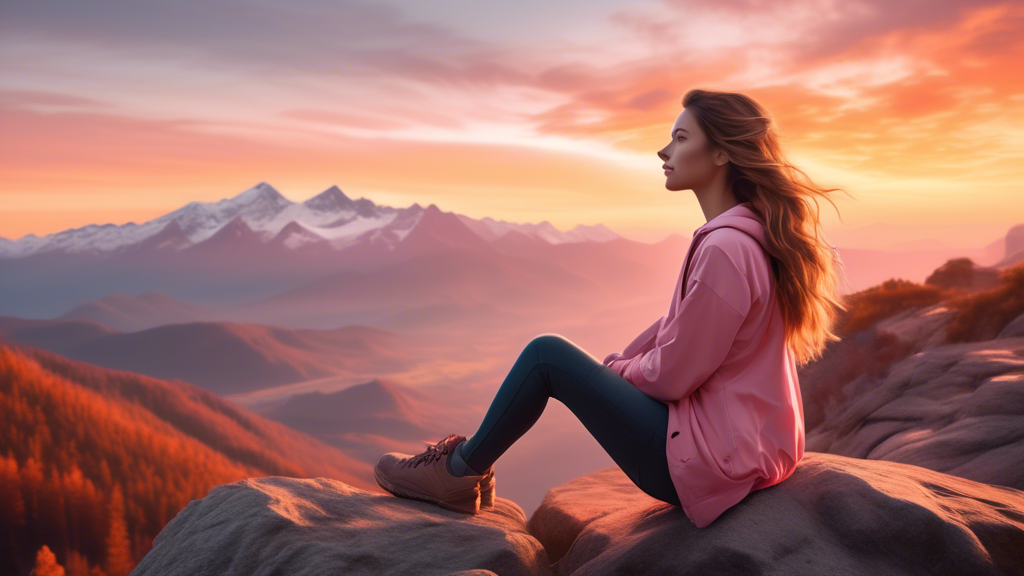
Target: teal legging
x: 630, y: 425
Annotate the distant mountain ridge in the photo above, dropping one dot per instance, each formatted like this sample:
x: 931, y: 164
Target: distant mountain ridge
x: 330, y: 219
x: 223, y: 357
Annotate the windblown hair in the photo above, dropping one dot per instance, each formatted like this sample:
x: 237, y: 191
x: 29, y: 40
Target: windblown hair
x: 808, y: 267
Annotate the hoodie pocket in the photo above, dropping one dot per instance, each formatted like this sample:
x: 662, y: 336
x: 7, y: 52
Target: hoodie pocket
x: 694, y: 467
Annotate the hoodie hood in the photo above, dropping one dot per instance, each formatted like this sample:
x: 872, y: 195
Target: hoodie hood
x: 741, y: 217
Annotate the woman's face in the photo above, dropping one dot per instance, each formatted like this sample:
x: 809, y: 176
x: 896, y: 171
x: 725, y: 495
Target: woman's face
x: 689, y: 164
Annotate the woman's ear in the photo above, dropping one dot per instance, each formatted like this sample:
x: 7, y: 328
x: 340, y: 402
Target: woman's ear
x: 720, y: 157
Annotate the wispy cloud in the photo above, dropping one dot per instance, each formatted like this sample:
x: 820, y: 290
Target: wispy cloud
x: 891, y: 91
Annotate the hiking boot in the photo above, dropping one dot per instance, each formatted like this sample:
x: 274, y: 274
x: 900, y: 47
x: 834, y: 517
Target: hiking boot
x: 425, y: 477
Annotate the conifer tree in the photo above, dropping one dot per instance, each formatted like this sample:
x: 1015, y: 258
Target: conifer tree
x: 119, y: 557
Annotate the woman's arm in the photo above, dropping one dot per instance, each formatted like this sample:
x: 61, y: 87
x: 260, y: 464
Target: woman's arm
x: 697, y: 339
x: 640, y: 344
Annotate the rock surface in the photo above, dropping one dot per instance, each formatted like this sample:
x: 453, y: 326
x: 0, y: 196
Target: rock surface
x: 921, y: 328
x: 957, y: 409
x: 278, y: 525
x: 835, y: 515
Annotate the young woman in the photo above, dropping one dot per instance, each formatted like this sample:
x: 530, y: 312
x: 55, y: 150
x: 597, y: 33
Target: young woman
x: 704, y: 406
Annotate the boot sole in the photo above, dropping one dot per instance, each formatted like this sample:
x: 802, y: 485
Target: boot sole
x: 466, y: 504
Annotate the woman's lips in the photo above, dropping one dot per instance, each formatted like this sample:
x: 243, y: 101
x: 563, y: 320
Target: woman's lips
x: 667, y: 170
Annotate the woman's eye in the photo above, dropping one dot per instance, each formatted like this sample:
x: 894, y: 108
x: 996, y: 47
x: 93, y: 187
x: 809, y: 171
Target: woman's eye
x: 681, y: 138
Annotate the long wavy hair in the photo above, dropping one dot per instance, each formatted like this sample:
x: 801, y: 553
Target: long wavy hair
x: 808, y: 267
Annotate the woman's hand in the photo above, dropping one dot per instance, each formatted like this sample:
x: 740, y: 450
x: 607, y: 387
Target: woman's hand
x: 611, y: 357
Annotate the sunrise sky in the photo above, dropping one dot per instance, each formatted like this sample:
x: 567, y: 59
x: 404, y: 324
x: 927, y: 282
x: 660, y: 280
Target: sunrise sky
x: 522, y: 111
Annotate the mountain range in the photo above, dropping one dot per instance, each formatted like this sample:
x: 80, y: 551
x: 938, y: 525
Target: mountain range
x: 262, y: 215
x: 331, y: 261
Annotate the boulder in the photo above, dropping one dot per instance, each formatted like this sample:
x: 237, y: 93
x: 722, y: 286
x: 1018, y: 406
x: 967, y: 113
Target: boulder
x: 957, y: 409
x: 834, y: 515
x: 278, y: 525
x: 922, y: 328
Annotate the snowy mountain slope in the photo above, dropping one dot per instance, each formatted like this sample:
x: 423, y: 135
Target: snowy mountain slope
x: 330, y: 216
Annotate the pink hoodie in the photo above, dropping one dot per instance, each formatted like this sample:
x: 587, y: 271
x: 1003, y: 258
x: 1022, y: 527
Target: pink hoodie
x: 719, y: 360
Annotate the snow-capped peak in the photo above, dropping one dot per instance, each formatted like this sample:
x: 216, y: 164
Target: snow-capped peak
x: 330, y: 200
x: 261, y: 192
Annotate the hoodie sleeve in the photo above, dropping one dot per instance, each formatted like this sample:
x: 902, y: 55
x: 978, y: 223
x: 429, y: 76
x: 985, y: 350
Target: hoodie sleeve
x: 640, y: 344
x: 697, y: 339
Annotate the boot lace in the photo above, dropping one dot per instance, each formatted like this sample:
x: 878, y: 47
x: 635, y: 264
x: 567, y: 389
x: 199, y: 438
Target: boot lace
x: 433, y: 452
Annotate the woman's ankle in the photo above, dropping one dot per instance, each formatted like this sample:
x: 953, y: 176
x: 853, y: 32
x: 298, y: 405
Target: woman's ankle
x: 457, y: 465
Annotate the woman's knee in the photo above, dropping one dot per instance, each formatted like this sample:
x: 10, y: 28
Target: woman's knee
x: 549, y: 341
x: 555, y: 348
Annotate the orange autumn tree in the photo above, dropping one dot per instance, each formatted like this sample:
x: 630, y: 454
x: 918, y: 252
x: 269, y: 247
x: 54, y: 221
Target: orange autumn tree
x: 119, y: 557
